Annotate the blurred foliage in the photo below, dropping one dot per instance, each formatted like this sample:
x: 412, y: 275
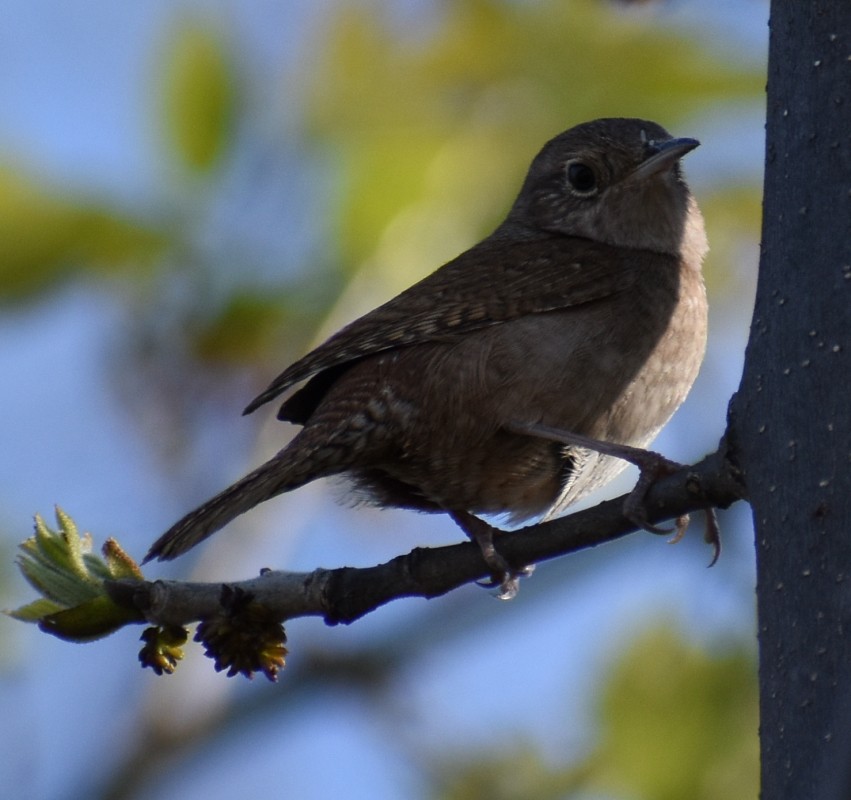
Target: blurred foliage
x: 243, y: 327
x: 447, y: 121
x: 675, y: 722
x: 199, y: 96
x: 430, y: 128
x: 679, y: 722
x: 733, y: 215
x: 521, y: 774
x: 45, y: 236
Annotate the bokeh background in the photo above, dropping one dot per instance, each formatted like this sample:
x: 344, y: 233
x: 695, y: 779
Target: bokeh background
x: 191, y: 193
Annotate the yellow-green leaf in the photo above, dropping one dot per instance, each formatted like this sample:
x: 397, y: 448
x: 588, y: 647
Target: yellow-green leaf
x: 679, y: 722
x: 91, y: 620
x: 199, y: 96
x: 46, y: 236
x: 60, y: 566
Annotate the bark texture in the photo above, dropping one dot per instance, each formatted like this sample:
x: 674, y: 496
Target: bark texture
x: 791, y: 420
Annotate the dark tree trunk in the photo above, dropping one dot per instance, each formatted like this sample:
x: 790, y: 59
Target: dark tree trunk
x: 791, y: 420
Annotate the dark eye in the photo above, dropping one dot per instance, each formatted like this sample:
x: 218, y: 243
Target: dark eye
x: 581, y: 178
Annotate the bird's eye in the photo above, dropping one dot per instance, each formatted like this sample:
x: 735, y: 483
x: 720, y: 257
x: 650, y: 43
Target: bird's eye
x: 581, y: 178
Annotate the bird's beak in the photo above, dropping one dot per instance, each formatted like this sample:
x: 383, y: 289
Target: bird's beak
x: 662, y: 156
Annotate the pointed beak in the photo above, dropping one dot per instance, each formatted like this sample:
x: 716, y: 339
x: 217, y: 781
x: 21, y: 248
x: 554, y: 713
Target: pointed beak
x: 662, y: 155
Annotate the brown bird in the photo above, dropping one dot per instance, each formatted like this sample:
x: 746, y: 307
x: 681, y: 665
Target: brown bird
x: 492, y: 385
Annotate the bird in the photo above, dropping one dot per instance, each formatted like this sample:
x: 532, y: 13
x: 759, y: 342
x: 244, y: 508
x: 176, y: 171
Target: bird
x: 516, y: 378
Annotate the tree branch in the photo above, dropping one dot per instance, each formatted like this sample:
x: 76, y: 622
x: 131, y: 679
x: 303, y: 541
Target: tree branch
x: 345, y: 594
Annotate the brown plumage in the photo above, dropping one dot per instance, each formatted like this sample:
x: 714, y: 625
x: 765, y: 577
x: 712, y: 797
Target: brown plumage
x: 584, y: 311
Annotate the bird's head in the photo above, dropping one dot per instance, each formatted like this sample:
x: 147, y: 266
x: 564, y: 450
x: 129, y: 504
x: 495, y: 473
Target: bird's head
x: 616, y: 181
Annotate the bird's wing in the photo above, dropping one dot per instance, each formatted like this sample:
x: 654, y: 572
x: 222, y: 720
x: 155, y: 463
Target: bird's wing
x: 491, y: 283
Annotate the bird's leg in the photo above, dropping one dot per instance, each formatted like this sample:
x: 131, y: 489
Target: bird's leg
x: 651, y: 466
x: 502, y: 574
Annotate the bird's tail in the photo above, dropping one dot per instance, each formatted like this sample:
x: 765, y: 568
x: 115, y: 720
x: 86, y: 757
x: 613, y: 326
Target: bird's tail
x: 328, y: 446
x: 272, y: 478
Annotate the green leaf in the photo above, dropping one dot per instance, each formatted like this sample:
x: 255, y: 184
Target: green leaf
x: 35, y: 611
x: 60, y: 566
x: 88, y: 621
x: 248, y: 324
x: 733, y: 216
x: 518, y: 773
x: 46, y: 236
x: 199, y: 97
x: 679, y: 722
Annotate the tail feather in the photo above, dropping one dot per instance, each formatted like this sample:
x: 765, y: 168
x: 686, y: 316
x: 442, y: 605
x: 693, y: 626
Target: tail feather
x: 267, y: 481
x: 329, y: 445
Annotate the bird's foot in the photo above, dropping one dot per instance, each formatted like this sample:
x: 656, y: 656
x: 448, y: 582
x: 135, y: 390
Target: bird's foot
x: 651, y: 466
x: 503, y: 575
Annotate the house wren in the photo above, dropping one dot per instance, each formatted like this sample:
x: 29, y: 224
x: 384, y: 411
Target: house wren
x: 583, y: 313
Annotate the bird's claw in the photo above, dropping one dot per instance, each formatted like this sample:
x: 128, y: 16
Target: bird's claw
x: 638, y: 518
x: 652, y: 468
x: 502, y: 574
x: 507, y: 582
x: 508, y: 585
x: 712, y: 534
x: 680, y: 527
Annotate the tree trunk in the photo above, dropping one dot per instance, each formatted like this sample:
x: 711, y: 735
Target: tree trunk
x: 791, y: 420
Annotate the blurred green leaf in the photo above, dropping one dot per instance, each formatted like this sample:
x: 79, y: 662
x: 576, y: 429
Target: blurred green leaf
x: 680, y: 723
x: 733, y: 215
x: 676, y: 722
x: 46, y: 236
x: 520, y: 774
x: 398, y: 165
x: 246, y: 328
x: 199, y: 97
